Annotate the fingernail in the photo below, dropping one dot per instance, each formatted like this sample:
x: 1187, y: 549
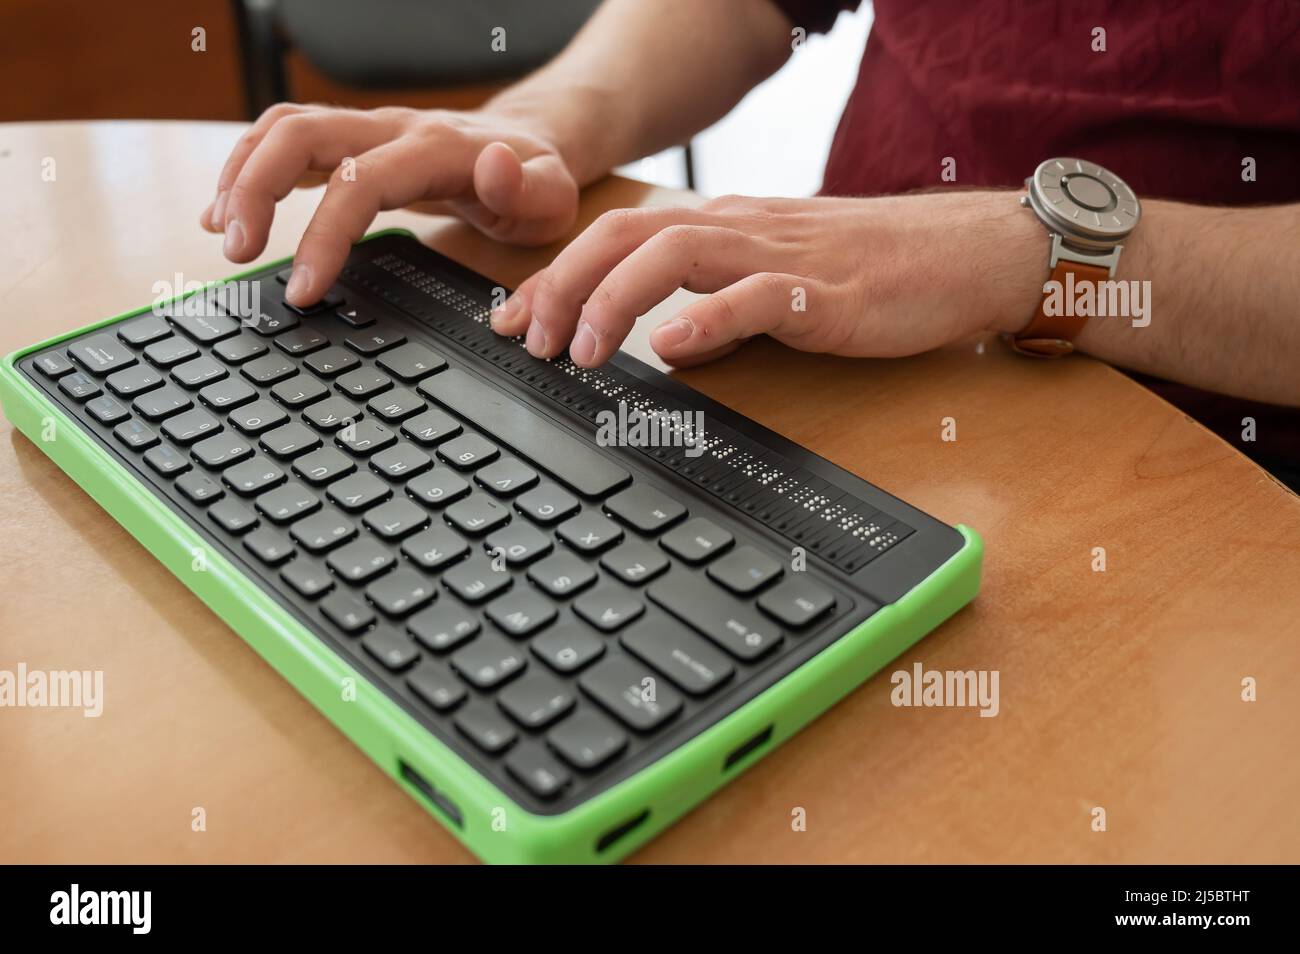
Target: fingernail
x: 507, y: 311
x: 219, y: 209
x: 536, y: 339
x: 299, y: 282
x: 675, y: 332
x: 234, y: 238
x: 583, y: 349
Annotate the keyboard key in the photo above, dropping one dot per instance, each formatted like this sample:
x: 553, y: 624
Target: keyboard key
x: 396, y: 404
x: 562, y: 574
x: 411, y: 362
x: 435, y: 548
x: 485, y: 727
x: 718, y: 615
x: 308, y: 578
x: 257, y: 417
x: 268, y: 369
x: 587, y: 739
x: 363, y: 382
x: 477, y: 514
x: 301, y: 341
x: 252, y: 476
x: 53, y: 364
x: 78, y: 387
x: 536, y: 700
x: 745, y: 570
x: 331, y: 413
x: 438, y: 487
x: 132, y: 381
x: 101, y: 354
x: 199, y: 488
x: 568, y: 648
x: 287, y: 503
x: 331, y: 299
x: 289, y: 440
x: 634, y: 562
x: 394, y: 651
x: 518, y: 544
x: 271, y: 320
x: 434, y: 683
x: 537, y: 770
x: 589, y: 532
x: 227, y: 394
x: 467, y: 451
x: 374, y: 339
x: 431, y: 427
x: 106, y: 410
x: 691, y: 663
x: 205, y: 329
x: 269, y: 546
x: 167, y: 461
x: 332, y: 361
x: 488, y: 661
x: 346, y: 612
x: 442, y: 627
x: 796, y: 601
x: 323, y: 530
x: 322, y: 466
x: 401, y: 461
x: 135, y: 435
x: 232, y: 516
x: 632, y: 691
x: 299, y: 390
x: 396, y: 518
x: 361, y: 560
x: 169, y: 351
x: 474, y: 580
x: 356, y: 317
x: 547, y: 503
x: 521, y: 613
x: 365, y: 437
x: 190, y: 426
x: 401, y: 592
x: 198, y: 372
x: 158, y: 404
x: 609, y: 607
x: 506, y: 477
x: 143, y: 331
x: 696, y: 541
x: 643, y: 508
x: 239, y: 349
x: 358, y: 491
x: 221, y: 450
x: 545, y: 443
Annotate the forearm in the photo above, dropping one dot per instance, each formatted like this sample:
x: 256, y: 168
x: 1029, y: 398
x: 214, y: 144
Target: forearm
x: 643, y: 75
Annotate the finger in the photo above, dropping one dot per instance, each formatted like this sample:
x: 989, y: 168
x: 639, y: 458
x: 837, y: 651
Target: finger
x: 512, y: 318
x: 703, y: 357
x: 696, y: 257
x: 320, y: 140
x: 244, y: 148
x: 758, y: 304
x: 579, y: 268
x: 528, y: 202
x: 387, y: 177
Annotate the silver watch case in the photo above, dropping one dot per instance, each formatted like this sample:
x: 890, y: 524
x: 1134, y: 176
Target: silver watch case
x: 1088, y: 210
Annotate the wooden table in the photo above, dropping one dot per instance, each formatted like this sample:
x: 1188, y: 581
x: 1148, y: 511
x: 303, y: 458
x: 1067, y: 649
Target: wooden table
x: 1119, y: 689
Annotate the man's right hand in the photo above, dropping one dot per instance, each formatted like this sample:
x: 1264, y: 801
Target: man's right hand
x: 499, y: 174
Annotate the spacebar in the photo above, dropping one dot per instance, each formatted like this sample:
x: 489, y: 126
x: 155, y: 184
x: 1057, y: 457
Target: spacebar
x: 536, y: 437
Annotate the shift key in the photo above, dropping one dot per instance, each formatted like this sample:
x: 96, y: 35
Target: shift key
x: 721, y: 617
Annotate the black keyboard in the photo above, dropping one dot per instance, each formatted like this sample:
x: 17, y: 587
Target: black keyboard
x: 430, y: 500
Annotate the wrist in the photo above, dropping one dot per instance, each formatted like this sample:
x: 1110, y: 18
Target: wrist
x: 1012, y: 258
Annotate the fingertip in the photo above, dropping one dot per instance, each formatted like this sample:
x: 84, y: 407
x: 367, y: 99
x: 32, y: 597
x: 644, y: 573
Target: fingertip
x: 299, y: 289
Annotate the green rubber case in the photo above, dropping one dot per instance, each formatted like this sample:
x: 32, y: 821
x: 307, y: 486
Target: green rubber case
x: 604, y: 828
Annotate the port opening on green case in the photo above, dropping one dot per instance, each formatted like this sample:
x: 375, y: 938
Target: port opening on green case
x: 750, y: 745
x: 436, y: 798
x: 607, y: 840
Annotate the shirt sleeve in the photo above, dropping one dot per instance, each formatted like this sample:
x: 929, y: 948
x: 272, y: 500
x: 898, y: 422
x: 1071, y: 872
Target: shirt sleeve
x: 815, y: 16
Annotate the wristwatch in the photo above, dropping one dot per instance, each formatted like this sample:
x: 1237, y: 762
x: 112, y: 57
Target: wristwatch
x: 1088, y: 212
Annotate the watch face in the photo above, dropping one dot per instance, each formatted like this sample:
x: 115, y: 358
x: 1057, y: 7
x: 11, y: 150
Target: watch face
x: 1083, y: 201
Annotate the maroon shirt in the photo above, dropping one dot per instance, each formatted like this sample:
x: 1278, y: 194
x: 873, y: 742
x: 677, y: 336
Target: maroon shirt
x: 1182, y: 94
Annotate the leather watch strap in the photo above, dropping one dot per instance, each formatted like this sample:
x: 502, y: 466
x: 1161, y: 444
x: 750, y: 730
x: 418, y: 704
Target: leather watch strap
x: 1051, y: 336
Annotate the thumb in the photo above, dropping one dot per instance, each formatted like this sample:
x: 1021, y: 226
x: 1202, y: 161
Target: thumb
x: 535, y: 200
